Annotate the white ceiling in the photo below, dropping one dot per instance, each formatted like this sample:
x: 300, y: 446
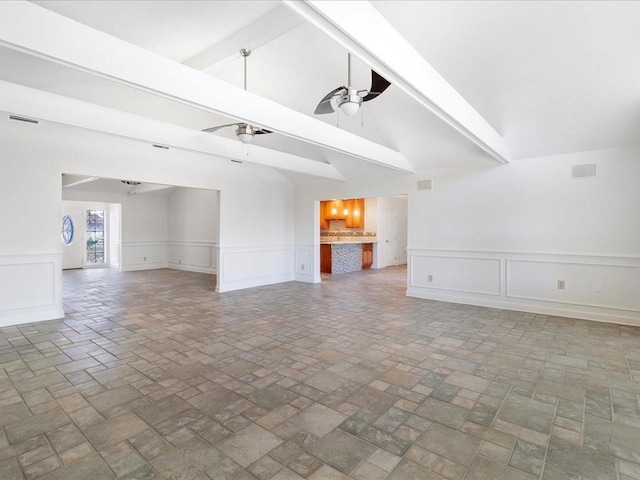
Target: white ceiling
x: 550, y: 77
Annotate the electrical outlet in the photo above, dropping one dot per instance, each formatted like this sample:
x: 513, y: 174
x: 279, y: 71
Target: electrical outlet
x: 302, y: 267
x: 429, y: 278
x: 179, y: 261
x: 144, y: 259
x: 560, y: 284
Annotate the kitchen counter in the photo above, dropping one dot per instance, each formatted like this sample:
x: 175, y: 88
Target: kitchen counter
x: 346, y: 256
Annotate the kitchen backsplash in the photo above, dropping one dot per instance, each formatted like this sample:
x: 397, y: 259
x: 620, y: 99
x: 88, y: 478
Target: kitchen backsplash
x: 343, y: 233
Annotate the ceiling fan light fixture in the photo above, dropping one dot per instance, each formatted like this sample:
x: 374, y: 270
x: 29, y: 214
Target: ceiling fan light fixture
x: 245, y: 138
x: 245, y: 133
x: 350, y: 102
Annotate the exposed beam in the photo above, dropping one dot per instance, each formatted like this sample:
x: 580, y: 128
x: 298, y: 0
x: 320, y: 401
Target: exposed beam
x: 361, y: 29
x: 39, y: 105
x: 74, y: 180
x: 37, y: 31
x: 268, y: 27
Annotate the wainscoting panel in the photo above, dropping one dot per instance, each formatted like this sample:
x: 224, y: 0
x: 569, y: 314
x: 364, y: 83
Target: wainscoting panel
x: 144, y: 255
x: 303, y: 264
x: 456, y: 273
x: 253, y: 266
x: 31, y: 288
x: 596, y: 287
x: 193, y: 256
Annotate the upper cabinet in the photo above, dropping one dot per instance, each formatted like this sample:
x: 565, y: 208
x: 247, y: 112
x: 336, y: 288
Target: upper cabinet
x: 355, y: 217
x: 351, y: 211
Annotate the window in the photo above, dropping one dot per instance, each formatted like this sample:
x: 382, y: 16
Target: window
x: 68, y: 230
x: 95, y: 236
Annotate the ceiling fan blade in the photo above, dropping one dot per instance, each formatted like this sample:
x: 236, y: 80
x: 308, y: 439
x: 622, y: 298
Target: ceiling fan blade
x: 325, y: 104
x: 262, y: 131
x: 213, y: 129
x: 378, y: 85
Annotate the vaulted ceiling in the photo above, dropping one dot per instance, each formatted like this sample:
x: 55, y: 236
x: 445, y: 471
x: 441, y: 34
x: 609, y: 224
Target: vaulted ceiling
x: 472, y: 82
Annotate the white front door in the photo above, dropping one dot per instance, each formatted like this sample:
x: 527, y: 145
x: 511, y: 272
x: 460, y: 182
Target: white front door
x: 391, y: 240
x: 71, y: 230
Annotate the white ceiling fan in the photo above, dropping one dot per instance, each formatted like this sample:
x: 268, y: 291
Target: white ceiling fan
x: 348, y: 99
x: 244, y: 131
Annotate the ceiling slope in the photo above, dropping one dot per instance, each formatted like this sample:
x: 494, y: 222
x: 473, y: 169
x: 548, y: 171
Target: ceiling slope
x: 34, y: 30
x: 361, y: 29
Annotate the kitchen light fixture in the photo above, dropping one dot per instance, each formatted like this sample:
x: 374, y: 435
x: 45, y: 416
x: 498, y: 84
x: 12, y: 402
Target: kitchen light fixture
x: 345, y: 211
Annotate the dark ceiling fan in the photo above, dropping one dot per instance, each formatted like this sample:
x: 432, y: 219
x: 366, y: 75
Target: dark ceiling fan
x: 348, y: 98
x: 245, y: 131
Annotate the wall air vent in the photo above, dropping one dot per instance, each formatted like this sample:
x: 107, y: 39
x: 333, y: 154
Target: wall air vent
x: 164, y: 147
x: 425, y: 184
x: 583, y: 171
x: 23, y: 119
x: 236, y: 161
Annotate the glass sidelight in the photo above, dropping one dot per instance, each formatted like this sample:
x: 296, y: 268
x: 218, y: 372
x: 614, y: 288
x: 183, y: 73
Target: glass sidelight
x: 95, y: 237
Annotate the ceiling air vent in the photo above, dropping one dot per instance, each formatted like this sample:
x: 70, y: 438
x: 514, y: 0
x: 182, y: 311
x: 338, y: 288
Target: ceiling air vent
x: 582, y: 171
x: 425, y: 184
x: 22, y: 119
x: 163, y: 147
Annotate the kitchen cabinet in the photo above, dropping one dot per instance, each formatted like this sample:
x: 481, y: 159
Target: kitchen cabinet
x: 324, y: 218
x: 349, y: 210
x: 325, y: 258
x: 367, y: 255
x: 355, y: 218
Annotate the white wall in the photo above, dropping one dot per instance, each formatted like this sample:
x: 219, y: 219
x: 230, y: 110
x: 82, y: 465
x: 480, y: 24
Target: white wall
x: 193, y: 229
x: 503, y: 236
x: 256, y: 209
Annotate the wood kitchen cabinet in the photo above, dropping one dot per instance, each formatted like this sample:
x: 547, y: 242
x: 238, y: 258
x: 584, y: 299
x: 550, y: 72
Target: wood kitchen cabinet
x: 335, y: 210
x: 367, y: 255
x: 355, y: 218
x: 325, y: 258
x: 324, y: 218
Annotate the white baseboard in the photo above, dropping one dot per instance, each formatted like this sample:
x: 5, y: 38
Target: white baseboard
x: 192, y: 268
x: 143, y: 266
x: 253, y: 282
x: 617, y: 317
x: 31, y: 315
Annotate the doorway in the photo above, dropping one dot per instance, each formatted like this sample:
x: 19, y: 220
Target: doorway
x: 390, y: 244
x: 131, y: 225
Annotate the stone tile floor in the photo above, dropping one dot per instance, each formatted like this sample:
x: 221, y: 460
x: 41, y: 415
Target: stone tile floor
x: 154, y: 376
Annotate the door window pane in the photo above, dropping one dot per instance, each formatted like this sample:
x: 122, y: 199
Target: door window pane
x: 95, y: 236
